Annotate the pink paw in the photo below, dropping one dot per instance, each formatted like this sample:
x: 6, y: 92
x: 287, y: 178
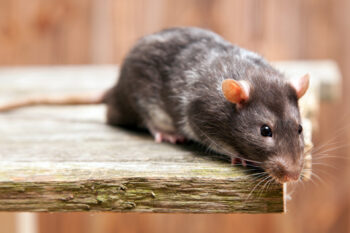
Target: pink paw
x: 163, y: 137
x: 235, y: 161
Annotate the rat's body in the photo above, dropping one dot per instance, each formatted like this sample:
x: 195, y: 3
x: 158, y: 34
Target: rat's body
x: 172, y: 83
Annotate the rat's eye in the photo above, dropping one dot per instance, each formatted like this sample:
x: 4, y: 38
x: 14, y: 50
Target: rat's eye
x: 300, y: 129
x: 266, y: 131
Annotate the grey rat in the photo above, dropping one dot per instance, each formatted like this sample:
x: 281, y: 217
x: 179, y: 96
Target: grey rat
x: 191, y: 84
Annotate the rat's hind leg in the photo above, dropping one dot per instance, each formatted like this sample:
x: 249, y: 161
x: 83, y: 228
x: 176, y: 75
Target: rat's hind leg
x: 116, y: 117
x: 121, y: 115
x: 120, y: 110
x: 164, y: 134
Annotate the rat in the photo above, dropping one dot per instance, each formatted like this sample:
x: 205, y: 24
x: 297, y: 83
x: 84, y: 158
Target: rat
x: 188, y: 83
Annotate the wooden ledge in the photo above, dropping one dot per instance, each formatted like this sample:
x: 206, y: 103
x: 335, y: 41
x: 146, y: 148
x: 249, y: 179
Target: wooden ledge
x: 68, y: 159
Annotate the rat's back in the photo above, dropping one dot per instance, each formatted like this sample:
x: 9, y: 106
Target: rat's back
x: 146, y: 81
x: 162, y: 74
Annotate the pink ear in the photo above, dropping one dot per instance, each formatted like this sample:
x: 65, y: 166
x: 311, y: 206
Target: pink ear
x: 301, y: 84
x: 235, y: 91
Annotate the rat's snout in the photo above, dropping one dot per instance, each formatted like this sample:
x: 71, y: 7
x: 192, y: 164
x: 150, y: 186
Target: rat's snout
x: 284, y: 169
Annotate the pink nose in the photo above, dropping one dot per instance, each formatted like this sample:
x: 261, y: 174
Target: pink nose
x: 285, y: 172
x: 289, y: 177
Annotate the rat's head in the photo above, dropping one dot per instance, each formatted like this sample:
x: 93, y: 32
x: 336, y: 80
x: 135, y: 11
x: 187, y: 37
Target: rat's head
x: 266, y: 125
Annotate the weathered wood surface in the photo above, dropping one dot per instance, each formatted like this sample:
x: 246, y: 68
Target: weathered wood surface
x: 67, y: 159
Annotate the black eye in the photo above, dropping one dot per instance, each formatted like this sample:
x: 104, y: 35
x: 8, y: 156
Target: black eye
x: 300, y: 129
x: 266, y: 131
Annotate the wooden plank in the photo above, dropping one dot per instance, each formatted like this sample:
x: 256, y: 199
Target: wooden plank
x: 67, y: 159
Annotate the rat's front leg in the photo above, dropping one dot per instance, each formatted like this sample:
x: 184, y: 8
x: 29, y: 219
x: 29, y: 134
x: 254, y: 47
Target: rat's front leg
x: 161, y: 136
x: 166, y: 137
x: 235, y: 160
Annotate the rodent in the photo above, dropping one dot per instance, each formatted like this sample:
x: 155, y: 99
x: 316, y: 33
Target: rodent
x: 191, y: 84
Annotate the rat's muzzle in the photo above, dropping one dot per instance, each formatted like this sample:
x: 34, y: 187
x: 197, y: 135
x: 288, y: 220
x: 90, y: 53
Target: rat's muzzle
x: 284, y: 169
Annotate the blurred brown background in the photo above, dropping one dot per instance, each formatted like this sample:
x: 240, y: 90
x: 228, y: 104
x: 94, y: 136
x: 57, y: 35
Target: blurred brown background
x: 43, y: 32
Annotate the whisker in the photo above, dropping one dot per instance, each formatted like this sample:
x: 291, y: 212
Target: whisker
x: 324, y: 164
x: 335, y: 148
x: 222, y: 148
x: 263, y: 188
x: 330, y: 140
x: 329, y: 175
x: 251, y: 175
x: 325, y: 144
x: 318, y: 148
x: 291, y: 191
x: 319, y: 178
x: 312, y: 181
x: 251, y: 192
x: 271, y: 182
x: 326, y: 156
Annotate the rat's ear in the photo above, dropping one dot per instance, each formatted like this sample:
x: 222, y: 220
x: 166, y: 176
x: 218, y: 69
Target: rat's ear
x: 300, y: 84
x: 235, y: 91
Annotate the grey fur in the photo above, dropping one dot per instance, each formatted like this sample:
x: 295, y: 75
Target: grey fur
x: 173, y: 79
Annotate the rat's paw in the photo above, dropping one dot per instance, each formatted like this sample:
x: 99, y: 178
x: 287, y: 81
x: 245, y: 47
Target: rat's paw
x: 172, y: 138
x: 235, y: 161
